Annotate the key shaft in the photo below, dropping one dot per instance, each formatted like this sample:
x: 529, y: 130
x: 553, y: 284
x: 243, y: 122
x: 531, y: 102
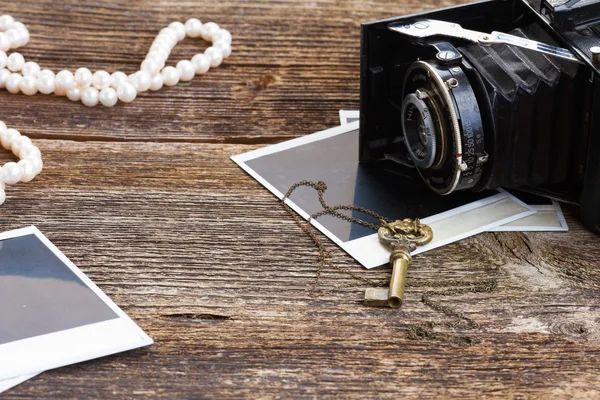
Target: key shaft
x: 400, y: 260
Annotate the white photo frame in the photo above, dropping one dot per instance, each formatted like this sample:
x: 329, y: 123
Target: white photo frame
x: 548, y: 218
x: 22, y: 359
x: 449, y: 227
x: 11, y: 383
x: 349, y: 116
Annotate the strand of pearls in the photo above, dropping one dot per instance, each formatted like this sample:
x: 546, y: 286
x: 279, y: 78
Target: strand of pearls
x: 17, y: 75
x: 29, y: 166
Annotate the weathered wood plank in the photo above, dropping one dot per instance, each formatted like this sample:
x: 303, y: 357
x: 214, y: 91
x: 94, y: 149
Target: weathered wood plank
x: 204, y: 259
x: 295, y: 64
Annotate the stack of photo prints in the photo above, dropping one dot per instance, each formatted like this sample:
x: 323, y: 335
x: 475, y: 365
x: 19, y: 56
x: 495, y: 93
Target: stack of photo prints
x: 331, y: 156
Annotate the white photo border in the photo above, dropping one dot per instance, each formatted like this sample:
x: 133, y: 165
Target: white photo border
x: 40, y: 353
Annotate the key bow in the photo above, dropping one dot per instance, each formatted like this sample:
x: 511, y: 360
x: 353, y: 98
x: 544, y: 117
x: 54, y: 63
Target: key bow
x: 405, y: 231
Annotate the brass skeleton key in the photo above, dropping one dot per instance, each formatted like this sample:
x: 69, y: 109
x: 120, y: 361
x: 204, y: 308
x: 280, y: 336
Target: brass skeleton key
x: 402, y: 236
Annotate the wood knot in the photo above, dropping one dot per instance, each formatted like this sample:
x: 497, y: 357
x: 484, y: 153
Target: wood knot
x: 568, y: 328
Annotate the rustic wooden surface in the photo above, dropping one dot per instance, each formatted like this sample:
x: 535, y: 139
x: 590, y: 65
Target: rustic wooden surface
x: 144, y: 198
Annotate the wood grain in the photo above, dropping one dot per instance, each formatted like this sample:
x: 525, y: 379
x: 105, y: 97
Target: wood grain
x: 144, y: 199
x: 295, y: 64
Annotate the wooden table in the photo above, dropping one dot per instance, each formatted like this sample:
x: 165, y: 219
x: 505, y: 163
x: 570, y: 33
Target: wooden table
x: 144, y: 199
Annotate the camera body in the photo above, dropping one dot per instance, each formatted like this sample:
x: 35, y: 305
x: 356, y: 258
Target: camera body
x: 468, y: 115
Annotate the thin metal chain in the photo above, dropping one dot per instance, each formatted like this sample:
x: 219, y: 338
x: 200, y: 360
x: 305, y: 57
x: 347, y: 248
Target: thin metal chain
x: 321, y: 187
x: 325, y: 257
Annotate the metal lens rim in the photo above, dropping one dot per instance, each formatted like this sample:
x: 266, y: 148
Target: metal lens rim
x: 454, y: 123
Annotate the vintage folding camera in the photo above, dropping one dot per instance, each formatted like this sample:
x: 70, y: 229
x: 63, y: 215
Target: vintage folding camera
x: 500, y: 93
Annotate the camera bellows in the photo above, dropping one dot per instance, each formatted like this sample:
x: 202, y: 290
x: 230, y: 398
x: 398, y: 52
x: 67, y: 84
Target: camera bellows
x: 538, y: 105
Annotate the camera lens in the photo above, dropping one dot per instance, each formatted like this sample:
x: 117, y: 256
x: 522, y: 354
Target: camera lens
x: 419, y: 130
x: 443, y: 130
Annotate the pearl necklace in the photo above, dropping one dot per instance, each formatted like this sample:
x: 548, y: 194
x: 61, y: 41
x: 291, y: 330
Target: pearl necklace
x: 16, y: 76
x: 102, y: 87
x: 30, y: 164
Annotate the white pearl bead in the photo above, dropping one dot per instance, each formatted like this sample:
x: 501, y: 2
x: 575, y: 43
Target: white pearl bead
x: 18, y: 25
x: 74, y: 94
x: 222, y: 34
x: 108, y: 97
x: 19, y: 143
x: 4, y: 42
x: 179, y: 28
x: 170, y: 76
x: 60, y: 92
x: 126, y: 92
x: 30, y: 68
x: 15, y: 62
x: 143, y: 81
x: 117, y: 78
x: 101, y: 80
x: 3, y: 59
x: 8, y: 137
x: 37, y: 163
x: 162, y: 43
x: 2, y: 127
x: 157, y: 57
x: 170, y: 36
x: 30, y: 151
x: 14, y: 36
x: 28, y: 85
x: 13, y: 83
x: 63, y: 82
x: 157, y: 83
x: 11, y: 173
x: 224, y: 46
x: 150, y: 66
x: 132, y: 78
x: 4, y: 74
x: 83, y: 77
x: 216, y: 56
x: 90, y: 96
x: 186, y: 70
x: 193, y: 27
x: 46, y: 82
x: 5, y: 22
x: 201, y: 63
x: 28, y: 170
x: 208, y: 30
x: 2, y: 193
x: 159, y: 53
x: 46, y: 72
x: 23, y: 37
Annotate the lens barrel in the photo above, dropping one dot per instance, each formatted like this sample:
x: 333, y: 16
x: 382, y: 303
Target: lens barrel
x: 442, y: 126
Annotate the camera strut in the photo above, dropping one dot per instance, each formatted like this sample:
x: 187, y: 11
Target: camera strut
x: 431, y: 27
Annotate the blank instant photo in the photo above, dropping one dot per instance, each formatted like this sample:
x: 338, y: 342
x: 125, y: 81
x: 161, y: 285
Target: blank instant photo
x: 51, y: 314
x: 331, y: 156
x: 549, y: 216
